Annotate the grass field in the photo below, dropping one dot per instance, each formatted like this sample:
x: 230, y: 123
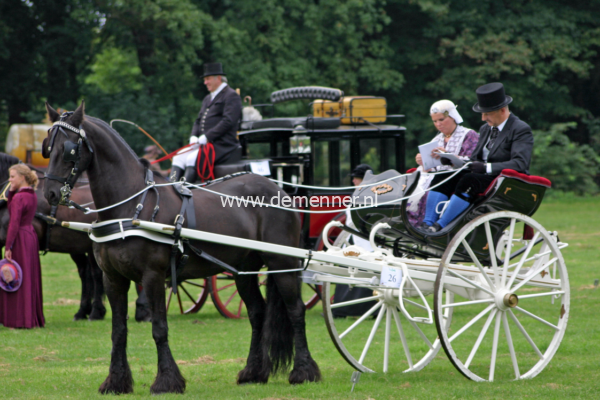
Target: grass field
x: 70, y: 359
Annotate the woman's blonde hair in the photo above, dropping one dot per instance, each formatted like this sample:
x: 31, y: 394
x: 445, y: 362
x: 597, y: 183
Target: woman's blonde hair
x: 30, y: 176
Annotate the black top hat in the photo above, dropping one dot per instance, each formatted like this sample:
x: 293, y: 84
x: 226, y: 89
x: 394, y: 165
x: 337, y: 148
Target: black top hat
x: 213, y: 69
x: 360, y: 171
x: 491, y: 97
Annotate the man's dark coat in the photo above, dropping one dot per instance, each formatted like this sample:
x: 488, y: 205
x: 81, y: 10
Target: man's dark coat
x: 512, y: 149
x: 219, y: 121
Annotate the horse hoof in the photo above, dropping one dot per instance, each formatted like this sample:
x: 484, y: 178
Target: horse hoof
x: 306, y: 372
x: 143, y: 315
x: 79, y: 316
x: 246, y: 376
x: 97, y: 314
x: 108, y: 387
x: 174, y: 385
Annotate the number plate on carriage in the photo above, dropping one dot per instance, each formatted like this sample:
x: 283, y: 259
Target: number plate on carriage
x: 260, y: 167
x: 391, y: 277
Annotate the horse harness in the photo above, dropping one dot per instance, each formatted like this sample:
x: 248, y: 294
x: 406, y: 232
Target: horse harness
x: 111, y: 230
x: 71, y: 153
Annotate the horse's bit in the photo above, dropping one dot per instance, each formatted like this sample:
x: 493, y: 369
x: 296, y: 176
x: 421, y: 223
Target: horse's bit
x: 71, y: 153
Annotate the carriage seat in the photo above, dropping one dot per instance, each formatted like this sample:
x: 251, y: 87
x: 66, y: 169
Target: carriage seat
x: 511, y: 173
x: 293, y: 123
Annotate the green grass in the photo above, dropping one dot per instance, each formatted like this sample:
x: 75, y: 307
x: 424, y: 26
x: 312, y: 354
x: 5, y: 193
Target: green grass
x: 70, y: 359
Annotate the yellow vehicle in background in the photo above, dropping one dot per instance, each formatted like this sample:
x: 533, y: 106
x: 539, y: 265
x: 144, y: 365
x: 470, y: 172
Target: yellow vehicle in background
x: 24, y: 141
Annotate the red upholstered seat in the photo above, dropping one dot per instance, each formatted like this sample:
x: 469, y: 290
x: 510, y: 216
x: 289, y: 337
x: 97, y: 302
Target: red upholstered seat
x: 511, y: 173
x: 534, y: 180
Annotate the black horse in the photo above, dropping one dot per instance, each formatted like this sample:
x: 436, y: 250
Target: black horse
x: 62, y: 240
x: 115, y: 173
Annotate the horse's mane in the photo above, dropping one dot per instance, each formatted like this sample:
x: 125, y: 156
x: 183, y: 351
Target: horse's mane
x: 110, y: 129
x: 6, y: 161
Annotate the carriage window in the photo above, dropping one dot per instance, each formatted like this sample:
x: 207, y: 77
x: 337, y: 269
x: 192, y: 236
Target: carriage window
x: 390, y: 155
x: 345, y: 179
x: 258, y: 150
x: 370, y: 153
x: 321, y: 163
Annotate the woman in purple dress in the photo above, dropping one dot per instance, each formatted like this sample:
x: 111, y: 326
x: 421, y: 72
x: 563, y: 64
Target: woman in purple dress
x: 452, y: 138
x: 23, y: 308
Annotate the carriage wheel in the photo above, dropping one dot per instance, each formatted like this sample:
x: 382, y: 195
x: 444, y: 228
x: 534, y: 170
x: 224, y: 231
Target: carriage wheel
x: 364, y: 346
x: 511, y: 314
x: 228, y: 302
x: 191, y: 295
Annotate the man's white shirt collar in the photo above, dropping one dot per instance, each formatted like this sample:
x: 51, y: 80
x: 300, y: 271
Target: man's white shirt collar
x: 216, y: 92
x: 501, y: 126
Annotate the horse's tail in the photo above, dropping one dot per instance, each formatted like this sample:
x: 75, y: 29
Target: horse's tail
x: 277, y: 342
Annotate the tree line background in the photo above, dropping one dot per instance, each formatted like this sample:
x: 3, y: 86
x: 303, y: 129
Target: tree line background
x: 142, y: 60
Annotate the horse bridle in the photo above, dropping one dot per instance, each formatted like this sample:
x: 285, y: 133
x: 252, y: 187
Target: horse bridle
x: 71, y: 153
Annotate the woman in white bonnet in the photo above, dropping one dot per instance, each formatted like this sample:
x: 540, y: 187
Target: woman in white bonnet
x: 453, y: 138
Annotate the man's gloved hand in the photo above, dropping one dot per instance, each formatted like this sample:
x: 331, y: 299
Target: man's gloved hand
x: 203, y: 140
x: 478, y: 167
x: 445, y: 161
x: 193, y: 139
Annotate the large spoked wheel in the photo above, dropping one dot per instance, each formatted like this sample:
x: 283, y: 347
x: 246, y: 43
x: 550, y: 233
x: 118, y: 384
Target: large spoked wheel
x: 382, y: 334
x: 228, y: 302
x: 509, y: 313
x: 191, y: 295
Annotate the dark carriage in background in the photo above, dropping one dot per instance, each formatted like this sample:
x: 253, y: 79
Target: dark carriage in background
x: 320, y: 149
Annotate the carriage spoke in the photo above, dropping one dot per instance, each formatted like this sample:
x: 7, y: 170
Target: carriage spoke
x: 195, y: 284
x: 467, y: 303
x: 169, y: 299
x: 532, y: 274
x: 386, y: 349
x: 422, y: 307
x: 543, y: 321
x: 231, y: 298
x: 402, y: 337
x: 478, y: 264
x: 470, y: 282
x: 361, y: 319
x: 420, y: 332
x: 523, y: 259
x: 357, y: 301
x: 188, y: 294
x: 529, y: 296
x: 225, y: 287
x: 492, y: 250
x: 495, y: 346
x: 179, y: 301
x: 484, y: 330
x: 511, y: 348
x: 511, y: 234
x: 239, y: 311
x: 372, y: 335
x: 525, y: 334
x: 473, y: 321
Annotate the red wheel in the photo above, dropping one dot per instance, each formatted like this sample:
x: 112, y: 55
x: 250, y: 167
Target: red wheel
x: 191, y: 295
x: 228, y: 302
x: 225, y: 296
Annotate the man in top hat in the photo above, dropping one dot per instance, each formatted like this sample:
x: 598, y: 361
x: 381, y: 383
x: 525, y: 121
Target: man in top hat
x: 217, y: 123
x: 505, y: 142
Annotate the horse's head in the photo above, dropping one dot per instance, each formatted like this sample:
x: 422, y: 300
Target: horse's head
x: 69, y: 151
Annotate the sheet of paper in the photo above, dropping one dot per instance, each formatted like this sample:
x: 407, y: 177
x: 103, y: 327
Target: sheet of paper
x: 428, y: 161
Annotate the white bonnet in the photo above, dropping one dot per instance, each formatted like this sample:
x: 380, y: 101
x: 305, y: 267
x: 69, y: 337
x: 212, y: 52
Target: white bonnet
x: 446, y: 106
